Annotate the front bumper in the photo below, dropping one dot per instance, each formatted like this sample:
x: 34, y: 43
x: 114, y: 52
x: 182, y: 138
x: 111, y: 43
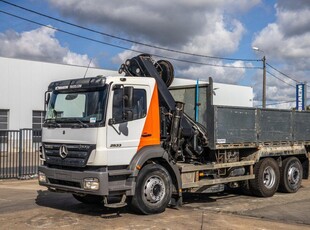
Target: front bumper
x: 72, y: 181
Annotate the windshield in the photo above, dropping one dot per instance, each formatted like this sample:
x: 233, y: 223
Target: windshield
x: 77, y: 107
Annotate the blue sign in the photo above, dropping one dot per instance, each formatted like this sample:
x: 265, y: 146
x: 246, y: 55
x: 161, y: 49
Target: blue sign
x: 300, y: 97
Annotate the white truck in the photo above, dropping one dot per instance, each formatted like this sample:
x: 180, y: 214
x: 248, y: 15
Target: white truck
x: 126, y: 138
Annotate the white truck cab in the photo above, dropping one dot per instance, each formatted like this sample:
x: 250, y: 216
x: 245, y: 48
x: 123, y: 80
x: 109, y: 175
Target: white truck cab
x: 90, y: 128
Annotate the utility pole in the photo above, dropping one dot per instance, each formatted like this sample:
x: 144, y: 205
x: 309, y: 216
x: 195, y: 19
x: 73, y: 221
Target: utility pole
x: 264, y: 82
x: 264, y: 77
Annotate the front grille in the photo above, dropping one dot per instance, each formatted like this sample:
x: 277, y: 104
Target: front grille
x: 77, y: 154
x: 65, y: 182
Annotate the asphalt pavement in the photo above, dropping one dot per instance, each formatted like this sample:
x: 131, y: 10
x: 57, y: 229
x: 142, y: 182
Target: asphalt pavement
x: 25, y: 205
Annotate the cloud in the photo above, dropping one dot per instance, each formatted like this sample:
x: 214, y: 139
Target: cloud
x: 197, y: 26
x: 219, y: 74
x: 169, y: 23
x: 40, y: 45
x: 293, y: 5
x: 218, y: 70
x: 279, y: 90
x: 218, y: 36
x: 288, y: 38
x: 286, y: 42
x: 293, y: 22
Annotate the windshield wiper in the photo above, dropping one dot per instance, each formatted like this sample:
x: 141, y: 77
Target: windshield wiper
x: 84, y: 125
x: 51, y: 122
x: 80, y: 123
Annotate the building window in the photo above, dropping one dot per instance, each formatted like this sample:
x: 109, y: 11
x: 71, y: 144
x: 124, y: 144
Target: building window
x: 37, y: 119
x: 4, y: 118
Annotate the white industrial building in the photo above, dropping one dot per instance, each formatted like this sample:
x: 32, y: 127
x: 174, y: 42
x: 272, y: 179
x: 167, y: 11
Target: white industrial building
x: 224, y: 94
x: 24, y: 82
x: 22, y: 87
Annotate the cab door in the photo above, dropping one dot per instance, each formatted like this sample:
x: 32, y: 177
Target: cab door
x: 125, y: 125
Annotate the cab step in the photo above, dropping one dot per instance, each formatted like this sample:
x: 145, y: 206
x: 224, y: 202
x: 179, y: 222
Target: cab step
x: 120, y: 204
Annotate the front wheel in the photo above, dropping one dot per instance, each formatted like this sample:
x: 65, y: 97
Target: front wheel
x: 267, y: 178
x: 291, y: 175
x: 153, y: 190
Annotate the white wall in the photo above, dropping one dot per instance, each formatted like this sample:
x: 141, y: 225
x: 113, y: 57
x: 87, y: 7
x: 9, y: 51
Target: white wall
x: 232, y: 95
x: 23, y: 84
x: 224, y: 94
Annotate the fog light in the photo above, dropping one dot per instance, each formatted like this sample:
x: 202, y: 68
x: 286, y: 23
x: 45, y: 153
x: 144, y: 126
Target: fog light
x: 42, y: 177
x: 91, y: 183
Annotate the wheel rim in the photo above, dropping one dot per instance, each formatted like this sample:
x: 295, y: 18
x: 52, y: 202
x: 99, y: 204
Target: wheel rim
x: 269, y: 177
x: 154, y: 189
x: 293, y: 175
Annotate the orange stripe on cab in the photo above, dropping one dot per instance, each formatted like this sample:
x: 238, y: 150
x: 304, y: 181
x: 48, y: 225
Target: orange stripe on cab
x: 151, y: 130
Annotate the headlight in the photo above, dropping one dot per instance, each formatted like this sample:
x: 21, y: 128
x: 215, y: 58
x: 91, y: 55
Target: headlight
x: 91, y: 183
x: 42, y: 177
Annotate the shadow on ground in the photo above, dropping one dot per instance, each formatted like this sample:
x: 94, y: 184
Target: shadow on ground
x: 66, y: 202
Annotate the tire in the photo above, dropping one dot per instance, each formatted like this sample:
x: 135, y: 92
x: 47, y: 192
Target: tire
x: 88, y: 199
x: 267, y: 178
x: 153, y: 190
x: 166, y: 71
x: 290, y: 175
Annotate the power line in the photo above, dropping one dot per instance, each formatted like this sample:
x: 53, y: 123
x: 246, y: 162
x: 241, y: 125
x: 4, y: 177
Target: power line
x: 127, y: 40
x: 153, y: 46
x: 280, y: 79
x: 282, y: 73
x: 125, y: 48
x: 286, y: 75
x: 283, y: 102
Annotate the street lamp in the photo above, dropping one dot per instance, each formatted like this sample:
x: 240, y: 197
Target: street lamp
x: 264, y: 75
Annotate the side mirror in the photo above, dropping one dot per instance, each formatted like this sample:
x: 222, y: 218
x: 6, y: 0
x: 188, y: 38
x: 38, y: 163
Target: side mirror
x: 128, y: 97
x: 128, y: 115
x: 47, y: 98
x: 122, y: 104
x: 111, y: 121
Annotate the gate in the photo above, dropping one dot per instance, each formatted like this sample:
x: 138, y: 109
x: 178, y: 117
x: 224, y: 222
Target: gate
x: 19, y: 153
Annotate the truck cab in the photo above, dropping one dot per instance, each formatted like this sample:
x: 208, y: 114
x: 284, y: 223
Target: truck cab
x: 94, y: 127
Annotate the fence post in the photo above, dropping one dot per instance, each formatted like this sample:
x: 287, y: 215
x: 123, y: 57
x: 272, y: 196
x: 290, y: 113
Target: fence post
x: 20, y: 153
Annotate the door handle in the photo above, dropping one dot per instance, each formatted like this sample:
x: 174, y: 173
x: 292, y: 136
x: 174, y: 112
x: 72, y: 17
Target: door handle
x: 146, y: 135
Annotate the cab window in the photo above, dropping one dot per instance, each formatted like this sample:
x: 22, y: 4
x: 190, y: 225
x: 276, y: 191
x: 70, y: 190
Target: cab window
x: 139, y: 106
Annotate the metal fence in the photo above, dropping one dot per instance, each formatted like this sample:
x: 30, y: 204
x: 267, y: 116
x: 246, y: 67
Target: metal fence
x: 19, y: 153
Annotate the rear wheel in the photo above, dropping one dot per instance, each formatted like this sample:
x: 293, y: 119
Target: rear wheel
x: 153, y: 190
x: 88, y: 199
x: 267, y: 177
x: 291, y: 175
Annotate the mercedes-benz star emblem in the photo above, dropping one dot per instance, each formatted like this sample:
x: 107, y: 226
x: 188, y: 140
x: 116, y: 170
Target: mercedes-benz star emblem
x: 63, y: 151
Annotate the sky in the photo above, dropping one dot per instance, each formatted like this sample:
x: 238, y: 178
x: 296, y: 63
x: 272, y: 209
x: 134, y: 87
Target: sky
x: 213, y: 38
